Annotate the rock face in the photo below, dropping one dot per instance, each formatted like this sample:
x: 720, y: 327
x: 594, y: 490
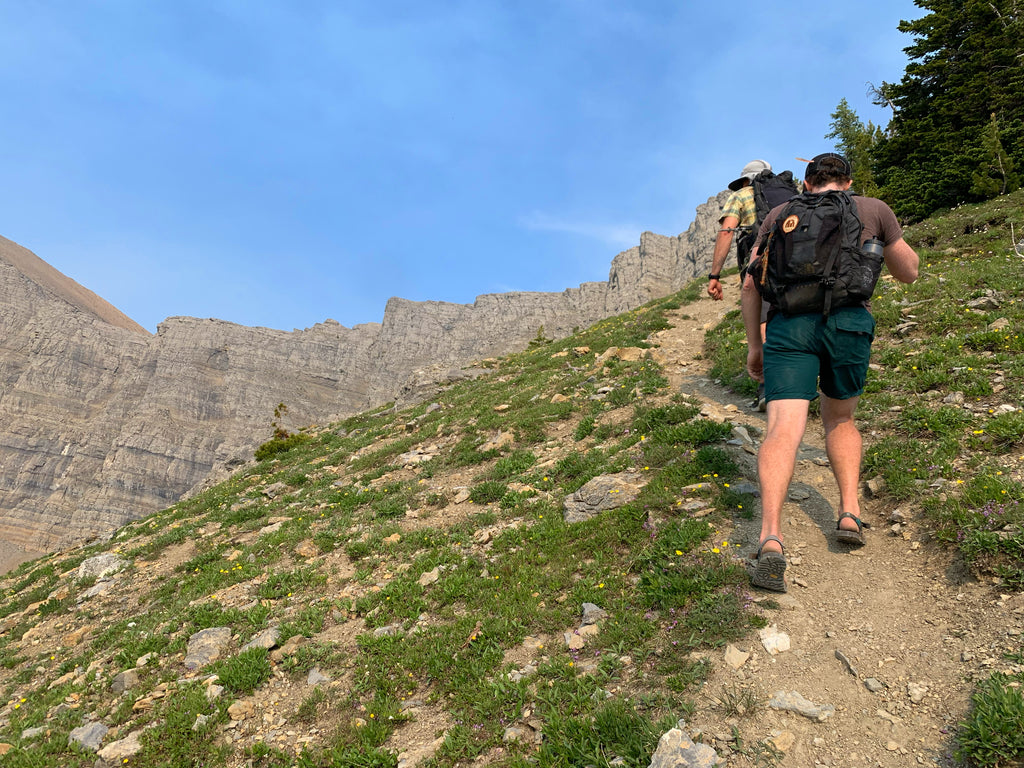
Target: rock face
x: 102, y: 422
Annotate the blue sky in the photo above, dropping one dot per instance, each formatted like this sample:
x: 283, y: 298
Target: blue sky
x: 280, y: 163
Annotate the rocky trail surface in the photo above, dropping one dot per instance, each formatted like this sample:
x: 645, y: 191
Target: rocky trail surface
x: 873, y: 653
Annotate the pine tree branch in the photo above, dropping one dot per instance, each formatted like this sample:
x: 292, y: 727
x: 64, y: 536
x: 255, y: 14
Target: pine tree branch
x: 998, y: 14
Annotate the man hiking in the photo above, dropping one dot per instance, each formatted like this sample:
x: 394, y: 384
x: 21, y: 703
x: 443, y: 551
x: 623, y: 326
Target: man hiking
x: 754, y: 193
x: 827, y: 345
x: 738, y: 215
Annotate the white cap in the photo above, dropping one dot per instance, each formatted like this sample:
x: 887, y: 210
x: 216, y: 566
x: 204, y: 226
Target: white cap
x: 750, y: 171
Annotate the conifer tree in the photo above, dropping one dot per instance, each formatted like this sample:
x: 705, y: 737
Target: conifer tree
x: 967, y: 62
x: 996, y: 175
x: 856, y: 140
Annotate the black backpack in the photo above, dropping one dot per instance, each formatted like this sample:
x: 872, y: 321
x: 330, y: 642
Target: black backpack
x: 770, y: 190
x: 812, y: 259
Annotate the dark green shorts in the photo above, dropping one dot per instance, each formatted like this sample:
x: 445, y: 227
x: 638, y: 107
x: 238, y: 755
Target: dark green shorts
x: 803, y: 350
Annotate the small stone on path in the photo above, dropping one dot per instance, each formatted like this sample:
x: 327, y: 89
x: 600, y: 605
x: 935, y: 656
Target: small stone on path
x: 734, y: 657
x: 916, y: 692
x: 783, y: 741
x: 791, y: 701
x: 846, y: 662
x: 774, y: 642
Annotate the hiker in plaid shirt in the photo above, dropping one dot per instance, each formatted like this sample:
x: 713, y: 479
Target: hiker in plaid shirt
x: 739, y: 212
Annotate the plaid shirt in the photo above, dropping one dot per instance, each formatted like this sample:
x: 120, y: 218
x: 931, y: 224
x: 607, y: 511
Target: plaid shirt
x: 741, y: 205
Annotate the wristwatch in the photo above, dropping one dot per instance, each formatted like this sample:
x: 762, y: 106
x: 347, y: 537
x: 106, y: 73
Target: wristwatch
x: 715, y: 277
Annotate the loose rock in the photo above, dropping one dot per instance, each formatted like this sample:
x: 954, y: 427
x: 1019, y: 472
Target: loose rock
x: 783, y: 741
x: 120, y: 750
x: 791, y: 701
x: 88, y: 736
x: 267, y: 639
x: 677, y: 750
x: 592, y: 614
x: 846, y: 662
x: 124, y: 681
x: 206, y: 646
x: 602, y: 493
x: 429, y: 577
x: 734, y: 657
x: 316, y: 677
x: 774, y: 642
x: 100, y: 566
x: 916, y: 692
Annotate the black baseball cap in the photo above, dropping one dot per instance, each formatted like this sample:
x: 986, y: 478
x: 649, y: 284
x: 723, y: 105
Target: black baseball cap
x: 814, y: 165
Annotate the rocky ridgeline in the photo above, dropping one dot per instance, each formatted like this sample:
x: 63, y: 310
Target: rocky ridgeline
x: 102, y: 423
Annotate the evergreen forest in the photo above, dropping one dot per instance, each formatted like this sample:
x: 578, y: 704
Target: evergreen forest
x: 956, y: 134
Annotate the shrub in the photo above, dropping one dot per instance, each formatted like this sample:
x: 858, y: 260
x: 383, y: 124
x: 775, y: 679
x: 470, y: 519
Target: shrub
x: 585, y: 428
x: 244, y: 673
x: 1006, y: 429
x: 488, y: 491
x: 278, y: 445
x: 947, y: 420
x: 389, y: 507
x: 574, y: 470
x: 514, y: 464
x: 357, y: 550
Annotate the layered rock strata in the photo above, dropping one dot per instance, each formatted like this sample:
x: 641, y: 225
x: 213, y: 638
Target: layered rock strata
x: 102, y: 422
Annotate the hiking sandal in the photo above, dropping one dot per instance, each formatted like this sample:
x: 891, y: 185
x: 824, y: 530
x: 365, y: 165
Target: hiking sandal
x: 851, y: 537
x: 770, y: 567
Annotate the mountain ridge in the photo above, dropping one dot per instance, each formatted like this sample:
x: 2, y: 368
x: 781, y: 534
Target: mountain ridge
x: 49, y: 278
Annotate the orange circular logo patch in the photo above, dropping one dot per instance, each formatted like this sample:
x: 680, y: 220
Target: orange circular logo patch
x: 790, y: 223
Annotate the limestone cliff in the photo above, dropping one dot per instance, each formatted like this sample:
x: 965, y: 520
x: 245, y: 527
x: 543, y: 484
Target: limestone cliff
x: 102, y: 422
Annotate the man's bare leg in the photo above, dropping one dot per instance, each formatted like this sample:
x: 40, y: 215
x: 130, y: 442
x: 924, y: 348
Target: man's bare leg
x: 844, y: 446
x: 776, y: 461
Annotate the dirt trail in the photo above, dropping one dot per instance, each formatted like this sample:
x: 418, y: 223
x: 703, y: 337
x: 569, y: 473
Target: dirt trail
x: 899, y: 609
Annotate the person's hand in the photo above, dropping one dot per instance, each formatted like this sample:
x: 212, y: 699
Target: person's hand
x: 755, y: 363
x: 715, y: 289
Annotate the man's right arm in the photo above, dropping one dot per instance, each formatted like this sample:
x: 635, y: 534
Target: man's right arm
x: 900, y: 258
x: 722, y: 244
x: 902, y: 261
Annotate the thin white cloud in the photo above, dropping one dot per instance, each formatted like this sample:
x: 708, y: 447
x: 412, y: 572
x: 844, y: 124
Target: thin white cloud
x: 618, y: 235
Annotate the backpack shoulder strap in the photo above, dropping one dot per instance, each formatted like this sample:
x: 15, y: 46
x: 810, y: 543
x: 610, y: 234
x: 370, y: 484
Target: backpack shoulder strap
x: 848, y: 240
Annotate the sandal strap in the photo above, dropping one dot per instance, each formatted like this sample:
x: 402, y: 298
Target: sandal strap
x: 765, y: 540
x: 861, y: 525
